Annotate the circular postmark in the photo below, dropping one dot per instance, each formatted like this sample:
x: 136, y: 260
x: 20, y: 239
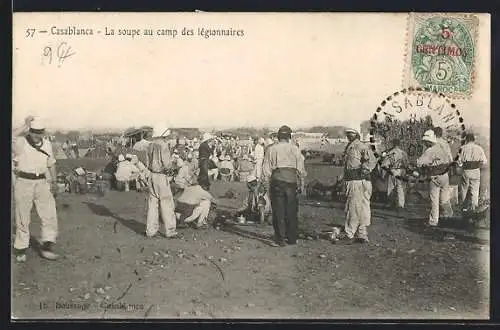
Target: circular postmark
x: 406, y: 114
x: 442, y: 57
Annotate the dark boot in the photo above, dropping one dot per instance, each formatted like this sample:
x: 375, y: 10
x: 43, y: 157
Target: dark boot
x: 47, y: 251
x: 20, y: 254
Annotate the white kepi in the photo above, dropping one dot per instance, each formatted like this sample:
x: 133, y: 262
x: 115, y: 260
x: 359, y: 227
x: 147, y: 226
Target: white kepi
x: 429, y: 136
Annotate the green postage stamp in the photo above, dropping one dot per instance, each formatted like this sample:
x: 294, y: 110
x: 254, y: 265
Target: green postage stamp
x: 441, y: 53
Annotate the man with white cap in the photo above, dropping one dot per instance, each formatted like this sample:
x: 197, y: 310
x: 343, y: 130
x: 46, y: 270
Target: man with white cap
x: 205, y: 151
x: 435, y: 160
x: 35, y: 183
x: 159, y: 164
x: 359, y: 161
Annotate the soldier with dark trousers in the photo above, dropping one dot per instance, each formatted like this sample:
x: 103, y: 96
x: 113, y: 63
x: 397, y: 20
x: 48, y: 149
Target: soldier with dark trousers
x: 283, y: 173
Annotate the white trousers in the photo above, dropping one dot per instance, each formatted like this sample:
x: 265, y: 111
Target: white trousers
x: 396, y: 184
x: 439, y: 193
x: 161, y: 202
x: 27, y: 192
x: 471, y: 179
x: 357, y: 207
x: 200, y: 212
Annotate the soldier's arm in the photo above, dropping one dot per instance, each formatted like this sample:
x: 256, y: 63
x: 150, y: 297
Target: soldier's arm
x: 450, y: 155
x: 18, y: 131
x: 300, y: 164
x: 16, y: 149
x: 166, y: 157
x: 386, y: 162
x: 404, y: 159
x: 370, y: 161
x: 51, y: 164
x: 267, y: 167
x: 424, y: 160
x: 483, y: 158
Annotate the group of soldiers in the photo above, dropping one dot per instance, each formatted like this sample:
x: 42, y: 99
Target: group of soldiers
x: 281, y: 174
x: 435, y: 164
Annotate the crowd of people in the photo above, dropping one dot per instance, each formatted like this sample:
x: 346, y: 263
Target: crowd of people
x: 178, y: 178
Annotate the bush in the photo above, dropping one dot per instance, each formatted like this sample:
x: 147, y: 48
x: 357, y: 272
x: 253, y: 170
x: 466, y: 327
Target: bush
x: 409, y: 134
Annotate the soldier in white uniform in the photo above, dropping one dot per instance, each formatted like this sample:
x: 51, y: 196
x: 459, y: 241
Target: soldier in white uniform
x: 359, y: 162
x: 35, y: 171
x: 471, y: 158
x: 395, y: 161
x: 161, y: 201
x: 436, y: 161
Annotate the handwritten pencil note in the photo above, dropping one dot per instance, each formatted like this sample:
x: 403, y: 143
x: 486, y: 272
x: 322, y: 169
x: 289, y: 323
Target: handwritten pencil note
x: 61, y: 52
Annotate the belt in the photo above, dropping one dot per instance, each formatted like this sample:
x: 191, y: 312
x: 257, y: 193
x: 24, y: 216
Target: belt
x: 167, y: 172
x: 471, y: 165
x: 30, y: 176
x: 355, y: 174
x: 437, y: 170
x: 285, y: 174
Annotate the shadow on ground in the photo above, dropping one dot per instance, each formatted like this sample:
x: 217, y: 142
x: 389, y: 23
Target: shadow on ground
x: 101, y: 210
x: 461, y: 230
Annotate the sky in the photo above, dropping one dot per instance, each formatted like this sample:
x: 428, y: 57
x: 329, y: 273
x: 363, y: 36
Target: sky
x: 295, y: 69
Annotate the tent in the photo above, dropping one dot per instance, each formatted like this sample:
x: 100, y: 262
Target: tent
x: 133, y: 134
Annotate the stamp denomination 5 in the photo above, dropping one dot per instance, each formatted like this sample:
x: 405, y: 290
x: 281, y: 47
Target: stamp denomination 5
x: 441, y: 53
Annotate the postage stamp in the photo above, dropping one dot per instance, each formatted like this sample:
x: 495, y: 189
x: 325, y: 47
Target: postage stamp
x: 441, y: 53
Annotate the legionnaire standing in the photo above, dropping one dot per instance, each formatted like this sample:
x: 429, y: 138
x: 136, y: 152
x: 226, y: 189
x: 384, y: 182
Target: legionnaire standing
x: 359, y: 162
x: 205, y: 151
x: 396, y: 162
x: 283, y: 171
x: 470, y: 159
x: 34, y: 167
x: 436, y: 161
x: 159, y: 163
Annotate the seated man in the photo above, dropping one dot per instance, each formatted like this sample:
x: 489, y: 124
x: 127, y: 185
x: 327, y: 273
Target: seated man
x: 257, y: 206
x: 126, y: 172
x: 226, y: 168
x: 194, y: 204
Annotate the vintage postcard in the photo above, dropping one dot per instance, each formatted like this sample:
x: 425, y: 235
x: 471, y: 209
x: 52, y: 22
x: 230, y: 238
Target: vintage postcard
x: 249, y: 165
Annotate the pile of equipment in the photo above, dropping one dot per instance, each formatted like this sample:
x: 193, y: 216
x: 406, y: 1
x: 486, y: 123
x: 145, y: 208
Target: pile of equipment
x: 81, y: 181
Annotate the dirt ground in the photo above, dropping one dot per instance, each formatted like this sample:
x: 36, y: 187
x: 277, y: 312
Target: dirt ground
x: 109, y: 269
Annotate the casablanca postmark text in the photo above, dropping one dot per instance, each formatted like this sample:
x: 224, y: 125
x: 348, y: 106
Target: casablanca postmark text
x: 441, y: 53
x: 406, y: 114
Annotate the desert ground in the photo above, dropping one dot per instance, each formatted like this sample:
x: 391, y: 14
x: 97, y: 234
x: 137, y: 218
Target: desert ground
x: 109, y: 269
